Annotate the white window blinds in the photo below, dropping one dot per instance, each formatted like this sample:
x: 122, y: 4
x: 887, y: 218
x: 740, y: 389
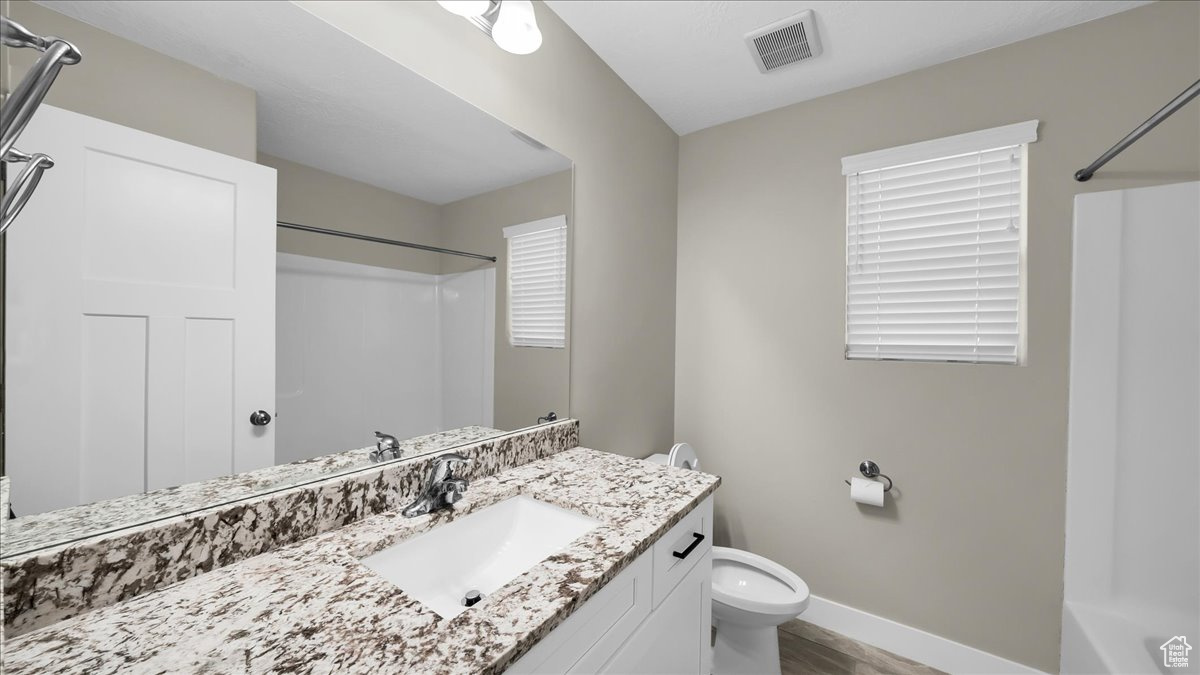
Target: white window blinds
x: 537, y: 283
x: 934, y: 247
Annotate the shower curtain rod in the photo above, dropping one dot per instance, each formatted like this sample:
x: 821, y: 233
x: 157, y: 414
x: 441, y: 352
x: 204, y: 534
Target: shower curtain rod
x: 1167, y: 110
x: 378, y: 240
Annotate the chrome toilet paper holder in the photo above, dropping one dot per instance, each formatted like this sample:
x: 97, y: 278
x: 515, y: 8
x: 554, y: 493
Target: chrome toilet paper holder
x: 871, y: 470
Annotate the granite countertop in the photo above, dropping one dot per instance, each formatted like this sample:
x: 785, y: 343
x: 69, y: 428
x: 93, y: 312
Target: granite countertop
x: 312, y: 607
x: 3, y: 506
x: 38, y: 530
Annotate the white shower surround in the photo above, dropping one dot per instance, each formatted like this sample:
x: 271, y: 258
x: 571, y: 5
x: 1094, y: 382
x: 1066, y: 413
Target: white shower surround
x: 361, y: 348
x: 1133, y: 506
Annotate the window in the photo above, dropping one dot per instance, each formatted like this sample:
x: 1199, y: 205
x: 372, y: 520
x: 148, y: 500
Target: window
x: 934, y: 249
x: 537, y: 283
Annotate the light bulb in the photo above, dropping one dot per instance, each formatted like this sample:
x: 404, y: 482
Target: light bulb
x: 467, y: 8
x: 516, y: 28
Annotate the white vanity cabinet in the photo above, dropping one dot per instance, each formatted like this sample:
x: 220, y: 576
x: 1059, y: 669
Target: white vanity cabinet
x: 654, y: 617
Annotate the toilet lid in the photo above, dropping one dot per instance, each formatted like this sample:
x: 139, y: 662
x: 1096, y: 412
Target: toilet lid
x: 683, y: 456
x: 753, y: 583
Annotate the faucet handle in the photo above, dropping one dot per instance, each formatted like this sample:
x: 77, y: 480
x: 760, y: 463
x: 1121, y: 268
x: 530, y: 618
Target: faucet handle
x: 443, y: 465
x: 452, y: 459
x: 442, y: 488
x: 386, y: 447
x: 451, y: 490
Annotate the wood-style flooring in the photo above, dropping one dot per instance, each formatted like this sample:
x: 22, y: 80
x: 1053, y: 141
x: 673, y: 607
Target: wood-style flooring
x: 805, y: 649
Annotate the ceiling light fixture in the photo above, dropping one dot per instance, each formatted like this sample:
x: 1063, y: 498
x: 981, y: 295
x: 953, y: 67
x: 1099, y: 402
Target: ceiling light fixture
x: 516, y: 28
x: 466, y: 8
x: 511, y: 24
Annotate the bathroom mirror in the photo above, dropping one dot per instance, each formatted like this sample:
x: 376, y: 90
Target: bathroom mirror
x: 262, y: 243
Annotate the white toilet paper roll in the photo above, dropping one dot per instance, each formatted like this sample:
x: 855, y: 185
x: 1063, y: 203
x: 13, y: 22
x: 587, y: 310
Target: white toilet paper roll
x: 864, y: 491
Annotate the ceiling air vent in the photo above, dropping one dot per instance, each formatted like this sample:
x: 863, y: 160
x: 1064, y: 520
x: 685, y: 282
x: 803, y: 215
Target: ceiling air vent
x: 785, y: 42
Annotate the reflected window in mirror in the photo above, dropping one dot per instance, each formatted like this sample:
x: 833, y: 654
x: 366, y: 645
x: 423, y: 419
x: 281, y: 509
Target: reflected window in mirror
x: 537, y: 283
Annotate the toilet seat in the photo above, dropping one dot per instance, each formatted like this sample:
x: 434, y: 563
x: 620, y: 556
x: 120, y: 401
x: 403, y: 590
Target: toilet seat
x: 751, y: 596
x: 752, y: 583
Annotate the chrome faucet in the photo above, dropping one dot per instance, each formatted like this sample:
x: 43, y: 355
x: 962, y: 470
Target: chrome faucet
x: 386, y: 447
x: 442, y: 489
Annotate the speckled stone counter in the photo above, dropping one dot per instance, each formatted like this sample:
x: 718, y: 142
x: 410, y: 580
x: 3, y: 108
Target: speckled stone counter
x: 38, y: 530
x: 59, y: 582
x: 312, y: 607
x: 3, y: 505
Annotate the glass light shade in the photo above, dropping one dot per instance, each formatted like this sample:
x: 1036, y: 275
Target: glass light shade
x: 467, y: 8
x: 516, y: 28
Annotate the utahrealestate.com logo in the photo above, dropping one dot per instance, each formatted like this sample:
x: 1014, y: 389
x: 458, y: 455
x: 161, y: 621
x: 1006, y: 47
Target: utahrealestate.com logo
x: 1175, y: 652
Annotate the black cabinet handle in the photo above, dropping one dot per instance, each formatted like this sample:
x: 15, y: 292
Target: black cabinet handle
x: 691, y: 547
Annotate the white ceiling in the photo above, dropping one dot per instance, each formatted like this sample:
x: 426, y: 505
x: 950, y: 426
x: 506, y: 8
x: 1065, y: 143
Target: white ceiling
x: 689, y: 60
x: 343, y: 107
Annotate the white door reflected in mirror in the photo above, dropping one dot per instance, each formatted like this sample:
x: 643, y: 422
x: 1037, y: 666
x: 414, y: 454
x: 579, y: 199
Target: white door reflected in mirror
x: 140, y: 330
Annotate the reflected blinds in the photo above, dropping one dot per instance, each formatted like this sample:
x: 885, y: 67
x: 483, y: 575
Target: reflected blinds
x: 537, y: 283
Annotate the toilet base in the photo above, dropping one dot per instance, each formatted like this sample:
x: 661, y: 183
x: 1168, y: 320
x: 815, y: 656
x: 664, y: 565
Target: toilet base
x: 745, y: 650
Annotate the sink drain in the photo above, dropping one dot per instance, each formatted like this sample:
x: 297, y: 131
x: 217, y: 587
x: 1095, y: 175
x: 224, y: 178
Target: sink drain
x: 471, y: 598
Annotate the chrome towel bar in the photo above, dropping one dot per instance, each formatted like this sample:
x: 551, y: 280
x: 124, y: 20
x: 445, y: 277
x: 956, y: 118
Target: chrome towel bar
x: 28, y: 95
x: 18, y: 192
x: 19, y: 108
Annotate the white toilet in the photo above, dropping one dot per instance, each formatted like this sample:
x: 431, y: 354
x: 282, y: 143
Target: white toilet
x: 751, y: 597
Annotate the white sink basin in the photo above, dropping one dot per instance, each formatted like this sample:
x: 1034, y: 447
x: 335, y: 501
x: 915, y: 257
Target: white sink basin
x: 482, y: 551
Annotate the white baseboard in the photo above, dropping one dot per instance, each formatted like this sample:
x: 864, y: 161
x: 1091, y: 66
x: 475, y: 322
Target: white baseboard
x: 911, y: 643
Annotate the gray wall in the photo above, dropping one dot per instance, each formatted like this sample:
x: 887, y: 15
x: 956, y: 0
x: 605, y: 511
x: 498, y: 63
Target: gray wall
x: 125, y: 83
x: 313, y: 197
x: 972, y: 548
x: 623, y: 297
x: 530, y: 381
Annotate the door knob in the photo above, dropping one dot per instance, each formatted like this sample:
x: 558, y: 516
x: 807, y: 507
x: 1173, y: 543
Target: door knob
x: 260, y: 418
